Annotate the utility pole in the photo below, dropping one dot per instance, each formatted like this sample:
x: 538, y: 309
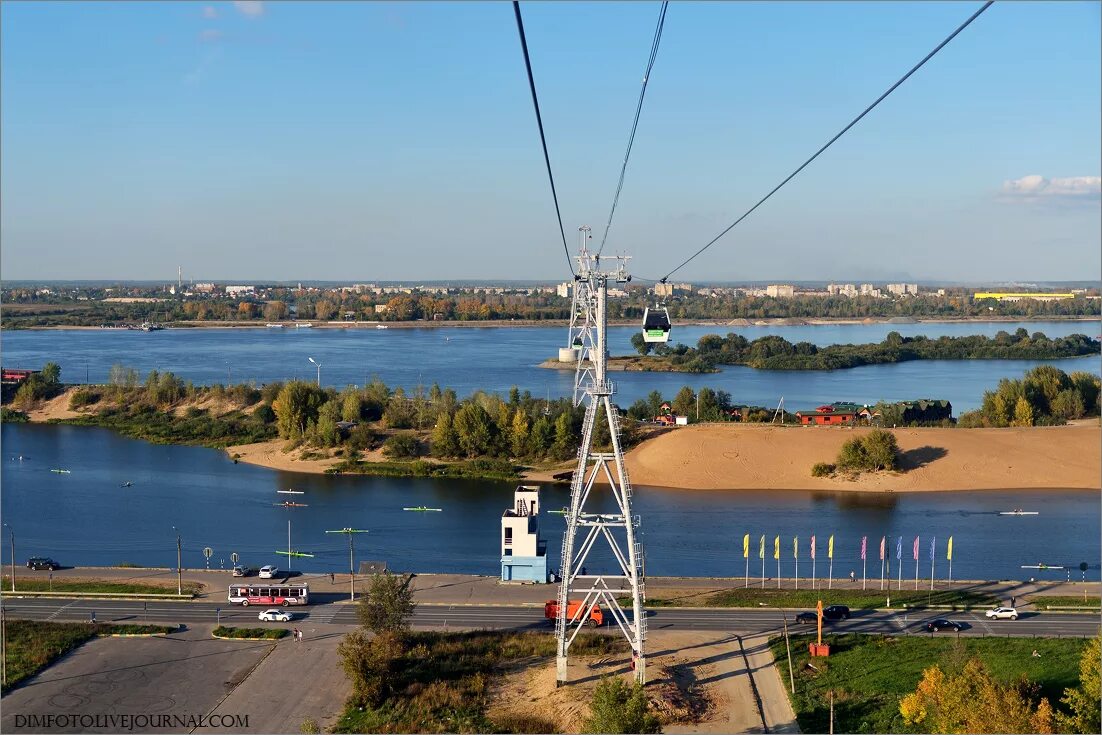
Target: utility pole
x: 12, y: 532
x: 179, y: 568
x: 788, y: 647
x: 350, y: 532
x: 627, y: 554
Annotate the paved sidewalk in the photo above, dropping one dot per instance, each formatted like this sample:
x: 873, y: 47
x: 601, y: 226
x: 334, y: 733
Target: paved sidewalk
x: 473, y: 589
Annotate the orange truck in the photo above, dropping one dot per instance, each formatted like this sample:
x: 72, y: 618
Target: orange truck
x: 551, y: 612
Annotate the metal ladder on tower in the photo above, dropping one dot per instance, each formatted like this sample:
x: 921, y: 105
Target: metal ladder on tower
x: 577, y: 485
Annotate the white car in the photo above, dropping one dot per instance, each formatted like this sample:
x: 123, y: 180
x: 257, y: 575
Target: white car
x: 275, y: 616
x: 269, y: 571
x: 1001, y: 613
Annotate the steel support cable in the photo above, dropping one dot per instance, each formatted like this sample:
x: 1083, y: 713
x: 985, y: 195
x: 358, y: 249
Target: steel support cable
x: 830, y: 142
x: 543, y: 138
x: 635, y: 124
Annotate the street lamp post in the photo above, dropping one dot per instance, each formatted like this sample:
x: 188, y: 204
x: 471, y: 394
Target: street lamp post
x: 179, y: 567
x: 318, y: 364
x: 350, y: 532
x: 12, y: 536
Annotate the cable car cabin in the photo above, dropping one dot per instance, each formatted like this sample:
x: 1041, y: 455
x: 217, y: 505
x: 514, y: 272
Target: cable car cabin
x: 656, y: 324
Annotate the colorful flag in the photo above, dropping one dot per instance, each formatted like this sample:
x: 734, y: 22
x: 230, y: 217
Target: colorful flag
x: 883, y: 542
x: 830, y: 547
x: 949, y: 554
x: 761, y: 547
x: 746, y: 546
x: 795, y: 547
x: 777, y: 547
x: 916, y: 548
x: 933, y: 543
x: 812, y: 547
x: 864, y: 543
x: 899, y: 549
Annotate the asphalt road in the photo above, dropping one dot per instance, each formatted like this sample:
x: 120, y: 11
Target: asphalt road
x: 737, y: 620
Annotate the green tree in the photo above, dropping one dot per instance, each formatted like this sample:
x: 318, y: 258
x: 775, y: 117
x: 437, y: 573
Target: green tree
x: 474, y: 429
x: 1082, y: 702
x: 51, y: 374
x: 352, y: 405
x: 518, y: 435
x: 684, y: 403
x: 654, y: 400
x: 401, y: 446
x: 618, y: 707
x: 1089, y: 387
x: 326, y: 433
x: 565, y: 443
x: 541, y: 437
x: 296, y: 407
x: 1023, y: 413
x: 709, y: 404
x: 445, y: 440
x: 388, y: 605
x: 642, y: 346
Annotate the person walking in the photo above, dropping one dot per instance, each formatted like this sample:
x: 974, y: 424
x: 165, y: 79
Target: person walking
x: 332, y: 578
x: 93, y: 617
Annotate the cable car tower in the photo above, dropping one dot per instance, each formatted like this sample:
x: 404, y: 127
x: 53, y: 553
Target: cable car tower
x: 585, y: 529
x: 583, y: 320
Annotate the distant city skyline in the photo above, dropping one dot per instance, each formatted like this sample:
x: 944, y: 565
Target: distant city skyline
x: 396, y: 141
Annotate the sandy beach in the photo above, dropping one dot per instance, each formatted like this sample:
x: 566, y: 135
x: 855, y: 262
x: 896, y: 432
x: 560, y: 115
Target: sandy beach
x: 737, y: 457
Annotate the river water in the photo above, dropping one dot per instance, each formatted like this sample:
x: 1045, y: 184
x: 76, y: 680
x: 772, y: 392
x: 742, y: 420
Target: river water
x: 495, y: 358
x: 87, y: 518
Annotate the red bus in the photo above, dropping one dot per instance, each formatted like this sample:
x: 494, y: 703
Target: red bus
x: 282, y: 593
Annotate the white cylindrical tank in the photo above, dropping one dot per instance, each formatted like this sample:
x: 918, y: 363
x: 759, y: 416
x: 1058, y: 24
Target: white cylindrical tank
x: 568, y: 354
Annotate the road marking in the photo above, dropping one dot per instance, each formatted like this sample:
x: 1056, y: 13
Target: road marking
x: 61, y: 609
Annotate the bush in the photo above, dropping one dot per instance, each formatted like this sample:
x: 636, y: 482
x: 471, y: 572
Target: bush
x: 822, y: 469
x: 83, y: 397
x: 877, y: 450
x: 402, y: 446
x: 265, y: 413
x: 11, y: 416
x: 388, y: 605
x: 620, y: 708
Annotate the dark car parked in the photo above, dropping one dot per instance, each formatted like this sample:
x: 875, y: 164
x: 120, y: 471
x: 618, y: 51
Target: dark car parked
x: 806, y: 617
x: 941, y: 624
x: 42, y: 562
x: 836, y: 612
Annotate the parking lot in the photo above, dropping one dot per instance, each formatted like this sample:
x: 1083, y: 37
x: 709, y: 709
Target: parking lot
x: 174, y: 683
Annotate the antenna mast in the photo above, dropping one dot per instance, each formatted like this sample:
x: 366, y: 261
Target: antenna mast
x: 618, y: 529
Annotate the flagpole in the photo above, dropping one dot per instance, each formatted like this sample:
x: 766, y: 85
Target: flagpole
x: 763, y: 571
x: 862, y: 574
x: 881, y: 573
x: 747, y: 584
x: 830, y: 578
x: 814, y: 579
x: 796, y: 557
x: 900, y: 588
x: 778, y: 570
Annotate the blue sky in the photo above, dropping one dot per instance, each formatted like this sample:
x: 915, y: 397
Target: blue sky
x: 367, y: 141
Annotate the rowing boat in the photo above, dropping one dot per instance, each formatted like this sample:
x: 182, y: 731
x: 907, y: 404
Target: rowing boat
x: 423, y: 509
x: 1019, y: 513
x: 289, y: 504
x: 61, y: 472
x: 291, y: 492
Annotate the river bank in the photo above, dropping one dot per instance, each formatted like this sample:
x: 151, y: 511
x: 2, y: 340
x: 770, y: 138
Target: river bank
x: 742, y: 457
x: 560, y: 323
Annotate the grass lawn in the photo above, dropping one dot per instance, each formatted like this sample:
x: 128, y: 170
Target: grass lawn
x: 1040, y: 601
x: 273, y: 634
x: 855, y: 599
x: 870, y: 674
x: 32, y: 645
x: 444, y: 681
x: 22, y: 584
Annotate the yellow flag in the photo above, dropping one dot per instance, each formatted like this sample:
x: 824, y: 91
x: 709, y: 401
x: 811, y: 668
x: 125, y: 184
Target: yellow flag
x: 830, y: 547
x: 795, y: 547
x: 777, y: 547
x: 746, y: 546
x: 761, y: 547
x: 949, y: 554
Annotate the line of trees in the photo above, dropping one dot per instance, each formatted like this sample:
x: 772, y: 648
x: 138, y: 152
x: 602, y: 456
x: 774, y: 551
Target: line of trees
x: 1045, y: 396
x: 776, y: 353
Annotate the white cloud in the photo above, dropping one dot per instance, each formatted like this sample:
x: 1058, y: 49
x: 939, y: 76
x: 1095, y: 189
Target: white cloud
x: 251, y: 8
x: 1036, y: 186
x: 209, y: 11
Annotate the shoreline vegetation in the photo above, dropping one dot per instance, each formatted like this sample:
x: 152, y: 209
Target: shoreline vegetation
x: 776, y: 353
x: 376, y: 430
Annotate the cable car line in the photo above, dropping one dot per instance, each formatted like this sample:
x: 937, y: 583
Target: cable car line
x: 543, y: 138
x: 635, y: 124
x: 830, y: 142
